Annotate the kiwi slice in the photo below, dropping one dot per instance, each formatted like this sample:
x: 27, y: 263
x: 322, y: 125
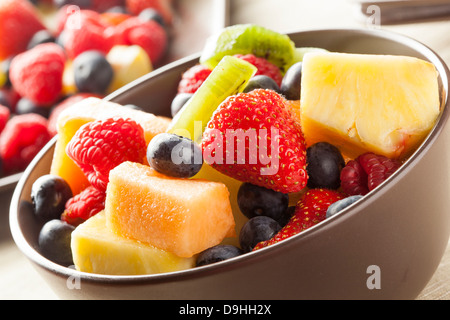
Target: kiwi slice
x: 249, y: 39
x: 229, y: 77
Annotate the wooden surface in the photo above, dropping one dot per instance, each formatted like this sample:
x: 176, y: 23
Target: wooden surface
x: 19, y: 279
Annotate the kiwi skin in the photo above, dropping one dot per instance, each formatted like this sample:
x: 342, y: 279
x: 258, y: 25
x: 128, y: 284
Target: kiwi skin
x: 249, y: 39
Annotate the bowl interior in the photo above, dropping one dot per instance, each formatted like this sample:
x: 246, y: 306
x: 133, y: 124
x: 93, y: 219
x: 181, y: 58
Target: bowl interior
x: 154, y: 93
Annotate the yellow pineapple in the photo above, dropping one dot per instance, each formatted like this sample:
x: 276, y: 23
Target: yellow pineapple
x: 360, y: 102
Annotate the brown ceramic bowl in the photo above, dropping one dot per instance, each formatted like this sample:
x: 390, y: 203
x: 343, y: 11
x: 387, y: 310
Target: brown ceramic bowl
x: 394, y: 238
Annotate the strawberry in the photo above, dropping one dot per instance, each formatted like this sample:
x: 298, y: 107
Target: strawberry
x: 99, y: 146
x: 274, y: 157
x: 150, y: 35
x: 19, y: 21
x: 37, y: 74
x: 193, y: 78
x: 83, y: 206
x: 164, y: 7
x: 265, y: 67
x: 366, y: 172
x: 309, y: 211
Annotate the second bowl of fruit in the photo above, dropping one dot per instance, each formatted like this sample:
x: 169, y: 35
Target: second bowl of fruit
x: 308, y: 165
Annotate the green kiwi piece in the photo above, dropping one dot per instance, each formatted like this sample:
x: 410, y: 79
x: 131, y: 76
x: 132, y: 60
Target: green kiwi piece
x: 249, y: 39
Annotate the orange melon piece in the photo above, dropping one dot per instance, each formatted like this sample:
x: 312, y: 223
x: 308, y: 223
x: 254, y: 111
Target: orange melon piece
x: 182, y: 216
x: 87, y: 110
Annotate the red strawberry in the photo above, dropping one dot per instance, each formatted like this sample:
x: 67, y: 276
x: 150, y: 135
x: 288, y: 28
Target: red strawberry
x: 18, y: 23
x: 164, y: 7
x: 21, y: 140
x: 150, y: 35
x: 83, y: 206
x: 309, y: 211
x: 4, y: 116
x: 366, y: 172
x: 193, y: 78
x: 101, y: 145
x: 37, y: 73
x: 275, y: 155
x: 89, y: 33
x: 265, y: 67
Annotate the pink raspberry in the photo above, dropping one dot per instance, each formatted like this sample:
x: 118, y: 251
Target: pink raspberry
x: 193, y: 78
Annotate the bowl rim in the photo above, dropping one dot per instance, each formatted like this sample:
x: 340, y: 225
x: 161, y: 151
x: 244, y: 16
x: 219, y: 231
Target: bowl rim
x: 252, y: 257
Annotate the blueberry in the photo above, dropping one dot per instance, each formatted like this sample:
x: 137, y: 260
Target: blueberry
x: 218, y: 253
x: 290, y: 85
x: 287, y: 215
x: 179, y: 101
x: 174, y: 155
x: 54, y: 242
x: 262, y: 82
x: 259, y: 201
x: 25, y: 105
x: 92, y: 72
x: 40, y: 37
x: 324, y: 165
x: 150, y: 14
x: 49, y: 194
x: 341, y: 204
x: 257, y: 229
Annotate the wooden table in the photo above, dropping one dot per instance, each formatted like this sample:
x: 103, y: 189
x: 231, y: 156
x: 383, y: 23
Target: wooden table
x: 19, y: 279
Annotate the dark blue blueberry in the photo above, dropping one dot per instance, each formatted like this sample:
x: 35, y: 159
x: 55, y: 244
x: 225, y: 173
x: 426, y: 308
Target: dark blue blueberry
x: 291, y: 83
x: 92, y: 72
x: 262, y: 82
x: 40, y: 37
x: 150, y: 14
x: 25, y: 105
x: 49, y: 194
x: 175, y: 156
x: 324, y: 165
x: 218, y: 253
x: 179, y: 101
x: 341, y: 204
x: 259, y: 201
x: 287, y: 216
x: 255, y: 230
x: 54, y: 242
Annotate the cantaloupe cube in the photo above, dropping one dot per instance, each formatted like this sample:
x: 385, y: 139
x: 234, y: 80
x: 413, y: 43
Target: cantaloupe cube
x: 87, y: 110
x: 96, y: 249
x: 182, y: 216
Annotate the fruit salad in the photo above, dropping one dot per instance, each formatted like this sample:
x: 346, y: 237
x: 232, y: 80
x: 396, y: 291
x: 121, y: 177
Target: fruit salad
x: 54, y: 53
x: 267, y: 140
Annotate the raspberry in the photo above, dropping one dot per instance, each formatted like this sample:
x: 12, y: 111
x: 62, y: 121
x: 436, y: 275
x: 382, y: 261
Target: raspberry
x: 150, y: 35
x: 193, y: 78
x: 101, y: 145
x: 37, y: 73
x: 91, y: 34
x: 21, y: 140
x: 366, y: 172
x: 4, y: 116
x: 265, y: 67
x: 83, y: 206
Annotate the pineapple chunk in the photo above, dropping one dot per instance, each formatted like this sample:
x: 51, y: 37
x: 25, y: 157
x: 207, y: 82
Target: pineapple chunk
x: 96, y: 249
x: 360, y: 102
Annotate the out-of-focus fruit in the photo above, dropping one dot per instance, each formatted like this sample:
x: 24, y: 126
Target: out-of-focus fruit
x: 14, y: 32
x: 96, y: 249
x: 92, y: 72
x: 217, y: 253
x: 54, y: 242
x: 128, y: 63
x: 49, y: 194
x: 230, y: 77
x: 5, y: 113
x: 164, y: 7
x: 37, y: 73
x: 40, y: 37
x: 182, y: 216
x: 256, y: 230
x: 248, y: 39
x: 174, y: 156
x: 379, y: 103
x: 290, y: 86
x: 87, y: 110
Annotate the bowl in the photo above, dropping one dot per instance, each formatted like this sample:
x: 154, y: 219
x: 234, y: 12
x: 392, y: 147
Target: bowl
x: 386, y: 246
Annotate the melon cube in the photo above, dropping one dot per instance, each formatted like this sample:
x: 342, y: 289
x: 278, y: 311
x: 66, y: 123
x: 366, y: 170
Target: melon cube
x: 182, y: 216
x: 96, y: 249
